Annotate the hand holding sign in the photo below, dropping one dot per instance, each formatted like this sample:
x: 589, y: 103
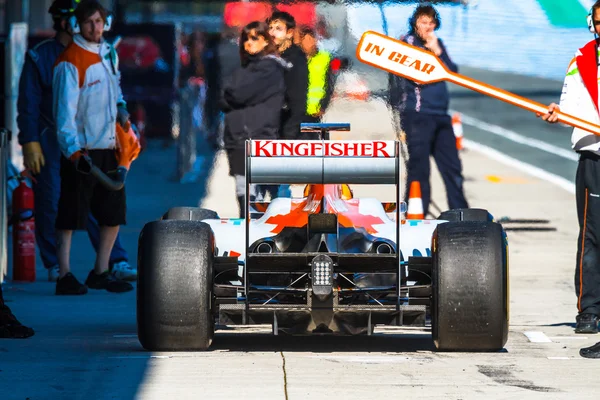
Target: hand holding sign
x: 422, y: 66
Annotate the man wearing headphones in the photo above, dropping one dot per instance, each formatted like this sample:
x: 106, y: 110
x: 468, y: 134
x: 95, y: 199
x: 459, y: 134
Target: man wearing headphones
x: 88, y: 103
x: 580, y: 98
x: 421, y: 111
x: 37, y: 135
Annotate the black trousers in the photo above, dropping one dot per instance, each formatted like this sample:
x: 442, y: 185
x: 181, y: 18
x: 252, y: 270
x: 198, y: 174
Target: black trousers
x: 432, y: 135
x: 587, y: 271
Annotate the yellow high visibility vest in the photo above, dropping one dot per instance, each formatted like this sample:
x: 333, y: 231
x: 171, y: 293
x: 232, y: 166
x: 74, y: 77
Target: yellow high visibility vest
x: 317, y: 71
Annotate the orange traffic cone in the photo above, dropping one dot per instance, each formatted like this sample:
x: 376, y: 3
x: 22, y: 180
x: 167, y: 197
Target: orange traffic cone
x: 415, y: 202
x: 458, y: 130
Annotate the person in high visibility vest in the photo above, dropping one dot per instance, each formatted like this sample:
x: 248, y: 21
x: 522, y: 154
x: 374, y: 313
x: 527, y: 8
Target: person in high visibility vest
x: 321, y: 79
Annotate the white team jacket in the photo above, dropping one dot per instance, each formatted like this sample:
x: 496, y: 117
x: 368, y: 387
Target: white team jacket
x: 86, y: 92
x: 577, y: 101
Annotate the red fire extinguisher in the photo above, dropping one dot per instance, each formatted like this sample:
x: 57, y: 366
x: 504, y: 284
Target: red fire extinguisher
x: 23, y: 233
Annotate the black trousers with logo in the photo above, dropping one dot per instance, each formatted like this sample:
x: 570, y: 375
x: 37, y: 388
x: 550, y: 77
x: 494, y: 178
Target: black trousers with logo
x: 587, y: 271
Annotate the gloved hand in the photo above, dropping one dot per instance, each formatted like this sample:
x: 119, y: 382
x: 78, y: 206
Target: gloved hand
x: 128, y: 145
x: 33, y: 156
x: 76, y: 156
x: 122, y: 115
x: 81, y: 164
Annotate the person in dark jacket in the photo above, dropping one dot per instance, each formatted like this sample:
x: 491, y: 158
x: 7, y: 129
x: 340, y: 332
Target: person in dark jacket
x: 37, y: 136
x: 252, y: 101
x: 282, y: 26
x: 421, y: 111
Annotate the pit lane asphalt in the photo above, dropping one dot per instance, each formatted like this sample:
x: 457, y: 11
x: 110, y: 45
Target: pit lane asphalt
x: 86, y: 347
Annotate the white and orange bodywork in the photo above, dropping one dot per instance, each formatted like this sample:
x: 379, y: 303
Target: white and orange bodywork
x: 366, y: 213
x: 328, y: 161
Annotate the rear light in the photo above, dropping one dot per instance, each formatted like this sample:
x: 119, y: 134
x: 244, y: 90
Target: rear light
x: 322, y: 275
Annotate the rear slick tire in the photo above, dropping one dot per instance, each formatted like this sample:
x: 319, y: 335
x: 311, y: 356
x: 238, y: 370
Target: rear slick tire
x: 470, y: 309
x: 466, y: 214
x: 174, y: 291
x: 190, y: 214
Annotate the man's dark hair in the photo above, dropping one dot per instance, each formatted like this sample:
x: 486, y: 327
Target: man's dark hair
x: 286, y: 17
x: 307, y: 30
x: 260, y: 29
x: 60, y: 10
x: 57, y: 23
x: 87, y: 8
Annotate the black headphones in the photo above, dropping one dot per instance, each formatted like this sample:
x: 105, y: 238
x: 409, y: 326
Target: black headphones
x: 412, y: 21
x: 74, y: 24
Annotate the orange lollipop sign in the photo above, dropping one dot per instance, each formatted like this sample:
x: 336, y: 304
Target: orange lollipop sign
x: 422, y: 66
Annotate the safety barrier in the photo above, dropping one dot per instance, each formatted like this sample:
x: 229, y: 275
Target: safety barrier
x: 5, y: 137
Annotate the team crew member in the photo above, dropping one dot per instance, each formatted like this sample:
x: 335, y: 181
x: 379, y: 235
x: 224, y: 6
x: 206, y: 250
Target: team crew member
x: 86, y: 93
x: 423, y: 114
x: 10, y: 327
x: 252, y: 101
x: 282, y: 26
x: 580, y: 98
x: 320, y: 76
x: 37, y: 135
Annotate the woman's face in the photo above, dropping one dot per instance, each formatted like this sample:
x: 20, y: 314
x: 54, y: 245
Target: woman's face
x: 254, y: 43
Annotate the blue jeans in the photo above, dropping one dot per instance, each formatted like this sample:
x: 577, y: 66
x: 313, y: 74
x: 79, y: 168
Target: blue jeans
x: 46, y: 195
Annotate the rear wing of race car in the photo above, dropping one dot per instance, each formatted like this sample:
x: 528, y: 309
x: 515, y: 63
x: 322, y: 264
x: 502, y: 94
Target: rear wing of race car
x: 322, y: 162
x: 373, y: 162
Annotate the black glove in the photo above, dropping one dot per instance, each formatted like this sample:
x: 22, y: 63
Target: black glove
x: 82, y: 161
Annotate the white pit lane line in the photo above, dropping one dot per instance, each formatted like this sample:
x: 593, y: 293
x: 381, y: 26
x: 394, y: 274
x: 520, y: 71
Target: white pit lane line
x: 522, y: 166
x: 518, y: 138
x: 537, y: 337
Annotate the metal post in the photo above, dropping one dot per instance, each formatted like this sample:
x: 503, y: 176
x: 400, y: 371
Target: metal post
x: 185, y: 145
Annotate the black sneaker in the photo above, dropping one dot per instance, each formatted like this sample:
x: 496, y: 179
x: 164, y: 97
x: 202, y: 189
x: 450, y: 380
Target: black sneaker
x: 10, y: 327
x: 68, y: 284
x: 590, y: 352
x: 108, y: 282
x: 587, y: 323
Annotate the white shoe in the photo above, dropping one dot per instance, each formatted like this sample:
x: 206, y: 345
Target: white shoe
x: 122, y: 270
x: 53, y: 273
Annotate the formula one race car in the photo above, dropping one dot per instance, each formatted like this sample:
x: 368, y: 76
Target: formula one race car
x: 325, y: 262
